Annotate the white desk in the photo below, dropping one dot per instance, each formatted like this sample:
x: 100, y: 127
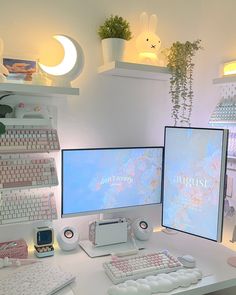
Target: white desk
x: 211, y: 259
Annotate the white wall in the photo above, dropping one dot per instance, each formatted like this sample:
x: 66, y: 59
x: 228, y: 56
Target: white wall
x: 112, y: 111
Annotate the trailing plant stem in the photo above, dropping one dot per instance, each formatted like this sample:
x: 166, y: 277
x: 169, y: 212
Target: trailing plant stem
x: 181, y: 67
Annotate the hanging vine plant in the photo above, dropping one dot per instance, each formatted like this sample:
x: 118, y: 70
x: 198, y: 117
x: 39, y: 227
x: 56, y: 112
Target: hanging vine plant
x: 180, y: 63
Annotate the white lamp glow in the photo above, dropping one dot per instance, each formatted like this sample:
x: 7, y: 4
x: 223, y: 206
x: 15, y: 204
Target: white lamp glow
x: 148, y: 42
x: 70, y: 66
x: 230, y: 68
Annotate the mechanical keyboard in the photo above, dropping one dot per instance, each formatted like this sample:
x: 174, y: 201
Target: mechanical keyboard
x: 18, y: 207
x: 25, y: 139
x: 19, y: 172
x: 161, y: 283
x: 140, y: 266
x: 41, y: 278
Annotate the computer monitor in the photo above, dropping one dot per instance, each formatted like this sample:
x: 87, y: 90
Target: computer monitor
x: 104, y: 180
x: 194, y: 180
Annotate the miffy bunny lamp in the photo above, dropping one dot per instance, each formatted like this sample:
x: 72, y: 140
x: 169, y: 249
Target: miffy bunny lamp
x: 148, y: 42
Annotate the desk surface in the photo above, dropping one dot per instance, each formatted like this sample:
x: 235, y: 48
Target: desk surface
x: 211, y: 258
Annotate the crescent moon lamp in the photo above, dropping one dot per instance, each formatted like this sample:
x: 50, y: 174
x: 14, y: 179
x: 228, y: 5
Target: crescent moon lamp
x: 71, y: 65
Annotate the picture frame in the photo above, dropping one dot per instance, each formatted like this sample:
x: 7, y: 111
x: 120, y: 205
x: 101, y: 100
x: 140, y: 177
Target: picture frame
x: 20, y: 70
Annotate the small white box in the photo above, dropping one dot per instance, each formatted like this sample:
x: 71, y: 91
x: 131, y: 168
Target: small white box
x: 108, y: 232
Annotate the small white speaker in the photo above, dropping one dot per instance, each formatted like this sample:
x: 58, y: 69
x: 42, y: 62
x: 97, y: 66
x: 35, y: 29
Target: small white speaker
x: 68, y: 238
x: 142, y: 229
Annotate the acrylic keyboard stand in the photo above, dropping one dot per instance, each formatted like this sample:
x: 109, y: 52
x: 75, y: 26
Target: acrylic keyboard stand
x: 28, y: 136
x: 19, y: 169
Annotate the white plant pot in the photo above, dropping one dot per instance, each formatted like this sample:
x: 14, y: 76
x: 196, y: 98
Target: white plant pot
x: 113, y: 49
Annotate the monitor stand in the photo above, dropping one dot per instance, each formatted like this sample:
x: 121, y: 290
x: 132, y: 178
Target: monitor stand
x: 169, y: 231
x: 92, y: 251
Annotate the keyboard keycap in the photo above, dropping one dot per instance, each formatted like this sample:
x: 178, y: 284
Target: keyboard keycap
x: 15, y: 220
x: 17, y: 184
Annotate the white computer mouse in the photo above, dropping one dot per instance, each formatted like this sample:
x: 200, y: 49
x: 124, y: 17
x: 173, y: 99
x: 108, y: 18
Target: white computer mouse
x: 187, y: 261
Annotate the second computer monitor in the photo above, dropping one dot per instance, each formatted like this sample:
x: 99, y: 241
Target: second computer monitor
x: 194, y: 180
x: 106, y: 179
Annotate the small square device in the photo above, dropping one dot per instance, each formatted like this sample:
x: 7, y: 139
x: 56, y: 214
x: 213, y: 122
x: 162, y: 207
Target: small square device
x: 43, y: 241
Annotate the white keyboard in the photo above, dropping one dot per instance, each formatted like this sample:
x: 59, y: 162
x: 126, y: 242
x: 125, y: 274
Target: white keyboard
x: 140, y: 266
x: 161, y: 283
x: 19, y: 207
x: 20, y: 172
x: 25, y: 139
x: 40, y: 278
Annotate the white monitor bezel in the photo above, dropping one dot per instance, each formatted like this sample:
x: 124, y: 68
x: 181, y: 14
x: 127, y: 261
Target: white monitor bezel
x: 108, y: 210
x: 222, y: 188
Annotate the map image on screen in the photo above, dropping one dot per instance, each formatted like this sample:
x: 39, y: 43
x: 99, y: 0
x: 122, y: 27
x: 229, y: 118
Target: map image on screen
x: 192, y: 176
x: 98, y: 179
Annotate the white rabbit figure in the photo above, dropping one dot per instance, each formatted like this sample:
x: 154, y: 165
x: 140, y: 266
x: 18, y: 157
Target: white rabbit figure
x: 148, y: 42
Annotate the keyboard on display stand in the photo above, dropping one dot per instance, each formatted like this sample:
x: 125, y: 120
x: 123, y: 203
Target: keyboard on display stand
x: 17, y: 206
x: 18, y: 171
x: 28, y: 136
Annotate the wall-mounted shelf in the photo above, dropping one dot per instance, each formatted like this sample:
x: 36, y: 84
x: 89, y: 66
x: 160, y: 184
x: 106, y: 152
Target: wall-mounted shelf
x: 36, y: 90
x: 231, y: 157
x: 133, y: 70
x: 29, y: 122
x: 221, y: 122
x: 225, y: 80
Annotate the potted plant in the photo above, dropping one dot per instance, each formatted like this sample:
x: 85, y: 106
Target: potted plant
x: 180, y: 63
x: 114, y: 33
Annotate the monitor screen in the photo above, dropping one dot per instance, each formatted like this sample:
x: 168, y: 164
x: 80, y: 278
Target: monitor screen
x: 100, y: 180
x: 194, y: 180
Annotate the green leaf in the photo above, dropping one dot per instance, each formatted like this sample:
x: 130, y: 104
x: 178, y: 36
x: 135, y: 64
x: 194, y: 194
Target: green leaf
x: 4, y: 109
x: 2, y: 128
x: 180, y: 64
x: 115, y: 27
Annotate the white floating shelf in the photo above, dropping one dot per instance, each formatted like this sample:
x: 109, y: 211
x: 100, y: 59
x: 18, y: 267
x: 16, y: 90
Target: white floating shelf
x: 232, y: 122
x: 231, y: 157
x: 133, y: 70
x: 36, y: 90
x: 32, y: 122
x: 225, y: 80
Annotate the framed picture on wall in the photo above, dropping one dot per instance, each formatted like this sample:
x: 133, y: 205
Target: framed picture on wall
x: 19, y: 69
